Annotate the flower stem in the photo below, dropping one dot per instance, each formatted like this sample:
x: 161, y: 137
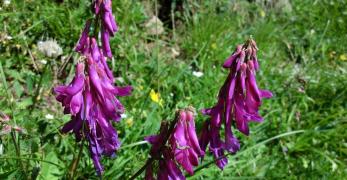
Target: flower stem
x: 39, y: 85
x: 34, y: 159
x: 75, y: 162
x: 143, y: 168
x: 133, y: 144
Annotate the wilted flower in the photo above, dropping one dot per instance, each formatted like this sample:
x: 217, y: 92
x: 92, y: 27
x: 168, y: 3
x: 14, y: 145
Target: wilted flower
x: 238, y: 102
x: 183, y: 148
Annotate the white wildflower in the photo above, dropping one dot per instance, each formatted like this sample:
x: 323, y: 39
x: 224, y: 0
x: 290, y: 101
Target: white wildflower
x: 119, y: 79
x: 123, y: 116
x: 43, y: 61
x: 50, y: 48
x: 49, y: 116
x: 198, y: 74
x: 7, y: 2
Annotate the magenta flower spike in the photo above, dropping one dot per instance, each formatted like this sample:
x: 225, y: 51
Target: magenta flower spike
x: 109, y: 27
x: 239, y: 100
x: 91, y: 97
x: 184, y: 142
x: 182, y: 149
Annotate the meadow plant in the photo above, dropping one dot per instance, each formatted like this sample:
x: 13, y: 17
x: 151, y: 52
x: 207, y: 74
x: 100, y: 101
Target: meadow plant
x: 91, y: 97
x: 172, y: 48
x: 238, y: 103
x: 174, y: 145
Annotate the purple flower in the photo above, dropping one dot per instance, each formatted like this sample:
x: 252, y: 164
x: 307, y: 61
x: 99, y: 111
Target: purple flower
x: 71, y: 95
x: 239, y: 100
x: 183, y: 148
x: 184, y: 142
x: 82, y: 42
x: 91, y: 97
x: 103, y: 9
x: 168, y: 168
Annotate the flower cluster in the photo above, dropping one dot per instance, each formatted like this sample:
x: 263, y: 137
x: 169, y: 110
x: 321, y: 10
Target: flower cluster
x: 183, y: 148
x: 238, y: 102
x: 91, y: 97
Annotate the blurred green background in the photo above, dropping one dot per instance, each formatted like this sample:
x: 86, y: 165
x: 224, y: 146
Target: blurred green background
x: 303, y: 59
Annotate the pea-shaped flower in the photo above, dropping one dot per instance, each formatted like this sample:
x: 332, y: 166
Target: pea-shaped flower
x: 238, y: 103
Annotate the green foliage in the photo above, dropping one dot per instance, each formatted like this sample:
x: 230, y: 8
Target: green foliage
x: 303, y: 61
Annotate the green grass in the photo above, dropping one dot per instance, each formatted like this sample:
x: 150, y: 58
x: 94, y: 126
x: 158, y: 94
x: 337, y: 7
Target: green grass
x: 301, y: 57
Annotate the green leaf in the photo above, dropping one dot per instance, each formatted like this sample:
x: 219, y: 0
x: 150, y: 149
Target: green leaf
x: 25, y: 103
x: 49, y: 171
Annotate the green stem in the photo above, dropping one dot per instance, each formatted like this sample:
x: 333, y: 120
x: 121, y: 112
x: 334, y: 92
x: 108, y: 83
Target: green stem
x: 37, y: 92
x: 248, y: 149
x: 9, y: 101
x: 33, y: 159
x: 133, y: 144
x: 75, y: 162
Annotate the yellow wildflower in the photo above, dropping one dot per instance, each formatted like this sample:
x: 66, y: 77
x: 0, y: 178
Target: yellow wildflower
x: 343, y: 57
x: 262, y: 13
x: 214, y: 46
x: 129, y: 122
x: 155, y: 97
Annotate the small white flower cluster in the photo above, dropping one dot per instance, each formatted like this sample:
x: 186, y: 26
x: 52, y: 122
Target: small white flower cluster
x: 198, y: 74
x: 6, y: 2
x: 50, y: 48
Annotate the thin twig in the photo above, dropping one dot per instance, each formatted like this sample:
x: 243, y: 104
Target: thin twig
x: 31, y: 56
x: 63, y: 66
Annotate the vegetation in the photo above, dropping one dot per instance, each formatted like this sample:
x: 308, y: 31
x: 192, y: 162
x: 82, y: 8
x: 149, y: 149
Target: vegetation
x: 303, y: 59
